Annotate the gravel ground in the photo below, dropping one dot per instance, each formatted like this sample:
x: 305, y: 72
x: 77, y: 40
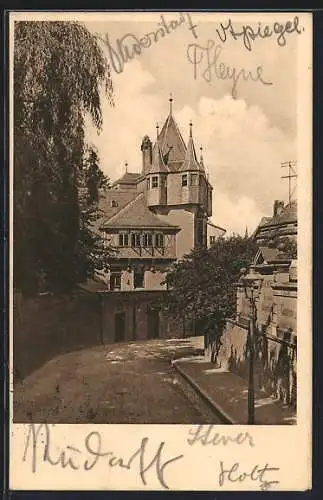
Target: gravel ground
x: 120, y: 383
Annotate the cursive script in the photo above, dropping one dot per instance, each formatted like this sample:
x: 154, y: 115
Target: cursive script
x: 208, y: 61
x: 207, y: 435
x: 130, y: 45
x: 234, y: 475
x: 248, y: 34
x: 39, y: 447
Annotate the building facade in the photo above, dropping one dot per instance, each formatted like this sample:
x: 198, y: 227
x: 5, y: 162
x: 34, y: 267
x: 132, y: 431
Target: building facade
x: 275, y: 274
x: 157, y: 216
x: 152, y: 218
x: 214, y: 233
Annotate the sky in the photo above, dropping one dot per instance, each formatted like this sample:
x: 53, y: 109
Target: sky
x: 245, y: 136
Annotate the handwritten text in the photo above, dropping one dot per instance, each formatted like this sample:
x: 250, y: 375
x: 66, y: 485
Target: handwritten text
x: 207, y: 435
x: 234, y: 475
x: 208, y: 61
x: 130, y: 45
x: 249, y: 34
x: 39, y: 447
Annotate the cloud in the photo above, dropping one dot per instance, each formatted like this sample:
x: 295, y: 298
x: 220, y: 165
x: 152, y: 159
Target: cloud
x: 242, y: 149
x: 133, y: 116
x: 236, y: 215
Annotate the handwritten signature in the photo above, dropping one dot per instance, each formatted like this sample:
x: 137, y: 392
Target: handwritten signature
x: 208, y: 59
x: 39, y: 447
x: 130, y: 45
x: 207, y: 435
x: 248, y: 34
x: 257, y: 473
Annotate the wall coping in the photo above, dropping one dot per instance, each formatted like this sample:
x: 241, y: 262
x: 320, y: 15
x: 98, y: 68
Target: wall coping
x: 266, y: 335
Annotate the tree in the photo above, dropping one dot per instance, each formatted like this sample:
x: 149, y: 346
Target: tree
x: 59, y: 70
x: 286, y: 246
x: 202, y: 286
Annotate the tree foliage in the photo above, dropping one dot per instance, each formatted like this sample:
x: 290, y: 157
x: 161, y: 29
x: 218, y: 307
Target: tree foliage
x: 202, y: 285
x: 59, y: 71
x: 285, y: 245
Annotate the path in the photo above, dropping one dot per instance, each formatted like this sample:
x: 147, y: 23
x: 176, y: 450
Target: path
x: 120, y: 383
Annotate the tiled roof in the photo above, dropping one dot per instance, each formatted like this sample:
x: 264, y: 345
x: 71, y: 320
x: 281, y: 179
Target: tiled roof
x: 288, y: 214
x: 264, y: 220
x: 136, y: 215
x: 111, y: 202
x: 128, y: 178
x: 271, y: 255
x: 171, y: 142
x: 174, y: 166
x: 158, y: 164
x: 190, y: 162
x: 209, y: 223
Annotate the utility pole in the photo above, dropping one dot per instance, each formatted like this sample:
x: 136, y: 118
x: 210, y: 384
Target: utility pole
x: 292, y: 174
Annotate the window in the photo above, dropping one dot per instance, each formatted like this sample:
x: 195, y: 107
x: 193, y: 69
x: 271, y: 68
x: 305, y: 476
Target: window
x: 159, y: 240
x: 115, y: 281
x: 184, y: 180
x: 154, y: 181
x: 212, y: 240
x: 114, y: 204
x: 135, y: 240
x: 148, y: 183
x: 148, y: 240
x: 123, y: 240
x: 193, y: 179
x: 138, y: 279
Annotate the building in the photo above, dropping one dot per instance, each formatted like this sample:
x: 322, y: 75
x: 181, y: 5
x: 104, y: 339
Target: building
x: 282, y: 224
x: 274, y: 271
x: 214, y: 233
x: 153, y: 218
x: 156, y: 216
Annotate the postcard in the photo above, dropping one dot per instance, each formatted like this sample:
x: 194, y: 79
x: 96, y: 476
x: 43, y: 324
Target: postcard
x: 160, y: 250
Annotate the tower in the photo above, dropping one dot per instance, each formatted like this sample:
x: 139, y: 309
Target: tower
x: 192, y: 175
x: 194, y: 186
x: 178, y: 189
x: 146, y: 148
x: 157, y: 177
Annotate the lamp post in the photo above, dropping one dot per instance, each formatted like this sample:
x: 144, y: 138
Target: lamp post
x: 251, y: 288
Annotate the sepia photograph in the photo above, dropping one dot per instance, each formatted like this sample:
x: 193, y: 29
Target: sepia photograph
x: 160, y: 198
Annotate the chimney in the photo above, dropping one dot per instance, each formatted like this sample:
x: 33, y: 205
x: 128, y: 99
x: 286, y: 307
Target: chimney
x: 146, y: 148
x: 278, y: 207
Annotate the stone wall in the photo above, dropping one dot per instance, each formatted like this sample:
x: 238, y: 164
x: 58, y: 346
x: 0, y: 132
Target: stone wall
x: 134, y: 314
x: 275, y: 360
x: 47, y: 326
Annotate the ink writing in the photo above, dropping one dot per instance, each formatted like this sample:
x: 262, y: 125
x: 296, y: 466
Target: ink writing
x: 39, y: 447
x: 207, y: 435
x: 130, y: 45
x: 249, y: 34
x: 207, y: 62
x: 233, y: 474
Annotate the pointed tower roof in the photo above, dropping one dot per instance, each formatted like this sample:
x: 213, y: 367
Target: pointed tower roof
x: 201, y: 159
x: 157, y: 165
x: 191, y: 161
x: 171, y: 141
